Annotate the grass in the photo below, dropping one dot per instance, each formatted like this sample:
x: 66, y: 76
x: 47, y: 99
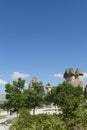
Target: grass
x: 3, y: 117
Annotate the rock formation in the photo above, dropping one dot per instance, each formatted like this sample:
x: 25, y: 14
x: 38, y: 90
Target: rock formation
x: 69, y: 75
x: 48, y: 87
x: 74, y: 78
x: 33, y: 81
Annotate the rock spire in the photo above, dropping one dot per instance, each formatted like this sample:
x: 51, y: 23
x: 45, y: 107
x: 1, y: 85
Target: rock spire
x: 74, y: 77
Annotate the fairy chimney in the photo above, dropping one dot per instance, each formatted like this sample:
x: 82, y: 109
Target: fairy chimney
x: 48, y: 87
x: 74, y: 78
x: 79, y: 78
x: 69, y: 75
x: 33, y: 81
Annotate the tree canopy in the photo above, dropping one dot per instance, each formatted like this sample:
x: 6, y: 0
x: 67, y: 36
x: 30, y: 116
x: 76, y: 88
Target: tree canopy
x: 70, y: 101
x: 34, y: 96
x: 14, y: 94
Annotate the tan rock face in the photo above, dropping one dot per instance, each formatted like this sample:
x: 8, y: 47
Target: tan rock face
x: 34, y: 80
x: 74, y: 78
x: 69, y: 73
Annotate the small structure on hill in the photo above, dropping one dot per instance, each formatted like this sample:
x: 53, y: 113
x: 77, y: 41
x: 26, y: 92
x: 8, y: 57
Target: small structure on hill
x: 74, y: 78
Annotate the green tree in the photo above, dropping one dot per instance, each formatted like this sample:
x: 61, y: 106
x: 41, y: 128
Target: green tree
x: 14, y: 94
x: 69, y: 100
x: 34, y: 96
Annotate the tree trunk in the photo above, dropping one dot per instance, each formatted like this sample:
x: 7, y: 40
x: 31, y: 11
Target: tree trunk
x: 34, y: 111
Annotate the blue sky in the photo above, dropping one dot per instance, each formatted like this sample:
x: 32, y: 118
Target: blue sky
x: 41, y: 38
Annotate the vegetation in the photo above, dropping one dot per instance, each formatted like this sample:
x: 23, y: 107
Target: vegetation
x: 14, y: 95
x: 2, y: 117
x: 34, y: 96
x: 37, y: 122
x: 70, y: 101
x: 18, y: 97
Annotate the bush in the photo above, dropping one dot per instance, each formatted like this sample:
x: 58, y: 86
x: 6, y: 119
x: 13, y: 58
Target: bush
x: 37, y: 122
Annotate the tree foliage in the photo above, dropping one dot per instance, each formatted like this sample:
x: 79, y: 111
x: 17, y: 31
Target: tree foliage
x: 18, y: 97
x: 34, y: 96
x: 14, y: 94
x: 37, y: 122
x: 70, y: 100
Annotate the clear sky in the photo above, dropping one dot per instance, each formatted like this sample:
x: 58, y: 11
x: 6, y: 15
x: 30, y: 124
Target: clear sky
x: 41, y: 38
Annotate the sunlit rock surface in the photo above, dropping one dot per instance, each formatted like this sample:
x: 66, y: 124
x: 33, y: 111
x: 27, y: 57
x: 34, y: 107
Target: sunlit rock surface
x: 74, y: 77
